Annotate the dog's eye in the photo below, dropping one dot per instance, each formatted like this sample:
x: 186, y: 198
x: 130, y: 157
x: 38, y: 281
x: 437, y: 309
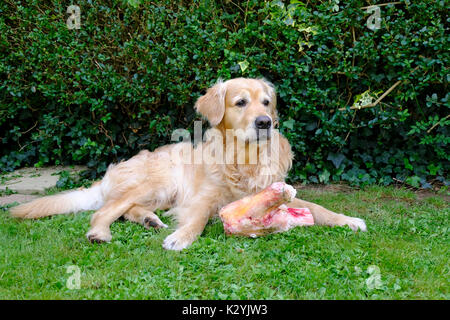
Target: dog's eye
x: 241, y: 103
x: 266, y: 102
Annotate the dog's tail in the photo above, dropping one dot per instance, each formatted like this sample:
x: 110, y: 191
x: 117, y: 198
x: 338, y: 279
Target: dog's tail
x: 67, y: 202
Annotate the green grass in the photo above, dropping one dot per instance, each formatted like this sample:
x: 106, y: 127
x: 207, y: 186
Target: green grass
x: 407, y: 240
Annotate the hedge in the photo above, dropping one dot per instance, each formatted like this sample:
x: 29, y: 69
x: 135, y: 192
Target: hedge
x: 357, y: 104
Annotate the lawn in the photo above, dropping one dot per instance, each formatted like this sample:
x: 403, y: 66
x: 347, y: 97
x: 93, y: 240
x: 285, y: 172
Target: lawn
x: 404, y: 255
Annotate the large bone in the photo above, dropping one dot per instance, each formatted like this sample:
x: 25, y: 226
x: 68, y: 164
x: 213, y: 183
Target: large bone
x: 264, y: 212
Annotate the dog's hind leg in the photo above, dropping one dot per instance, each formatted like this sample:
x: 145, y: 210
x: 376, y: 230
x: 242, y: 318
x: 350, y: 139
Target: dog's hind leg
x: 326, y: 217
x: 104, y: 217
x: 145, y: 217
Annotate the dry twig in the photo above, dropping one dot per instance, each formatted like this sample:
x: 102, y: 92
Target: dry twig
x: 370, y: 105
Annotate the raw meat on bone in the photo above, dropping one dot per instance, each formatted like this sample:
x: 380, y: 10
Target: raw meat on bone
x: 264, y: 212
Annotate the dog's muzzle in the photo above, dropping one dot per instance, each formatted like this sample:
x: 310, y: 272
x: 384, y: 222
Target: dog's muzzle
x: 263, y: 125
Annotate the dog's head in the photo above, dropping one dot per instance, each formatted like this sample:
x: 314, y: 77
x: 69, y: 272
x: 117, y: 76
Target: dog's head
x: 245, y: 106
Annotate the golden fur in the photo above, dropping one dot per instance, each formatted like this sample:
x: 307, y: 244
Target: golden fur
x: 192, y: 190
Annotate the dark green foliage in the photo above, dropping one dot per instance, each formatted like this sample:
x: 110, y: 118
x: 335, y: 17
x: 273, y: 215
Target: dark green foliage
x: 133, y: 71
x: 70, y: 181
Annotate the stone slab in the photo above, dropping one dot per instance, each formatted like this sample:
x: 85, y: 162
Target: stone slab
x: 35, y: 180
x: 19, y: 198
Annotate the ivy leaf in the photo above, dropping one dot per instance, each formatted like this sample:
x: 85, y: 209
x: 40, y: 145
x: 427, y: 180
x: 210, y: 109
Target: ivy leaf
x: 289, y: 21
x: 324, y: 176
x: 407, y: 164
x: 134, y: 3
x: 244, y: 65
x: 414, y: 181
x: 433, y: 169
x: 311, y: 126
x: 289, y: 124
x: 336, y: 158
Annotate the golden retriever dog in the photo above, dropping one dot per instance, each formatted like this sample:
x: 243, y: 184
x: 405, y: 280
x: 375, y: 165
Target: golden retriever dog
x: 192, y: 180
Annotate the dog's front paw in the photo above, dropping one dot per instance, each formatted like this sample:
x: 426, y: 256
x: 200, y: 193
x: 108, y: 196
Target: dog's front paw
x: 354, y: 223
x: 99, y: 235
x: 178, y: 240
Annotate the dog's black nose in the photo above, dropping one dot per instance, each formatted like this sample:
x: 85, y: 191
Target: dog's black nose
x: 263, y: 122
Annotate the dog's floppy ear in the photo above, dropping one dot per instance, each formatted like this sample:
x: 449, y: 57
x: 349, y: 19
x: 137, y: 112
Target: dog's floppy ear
x: 212, y: 104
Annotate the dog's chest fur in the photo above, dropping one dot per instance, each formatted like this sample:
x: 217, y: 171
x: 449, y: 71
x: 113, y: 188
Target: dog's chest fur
x: 244, y: 179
